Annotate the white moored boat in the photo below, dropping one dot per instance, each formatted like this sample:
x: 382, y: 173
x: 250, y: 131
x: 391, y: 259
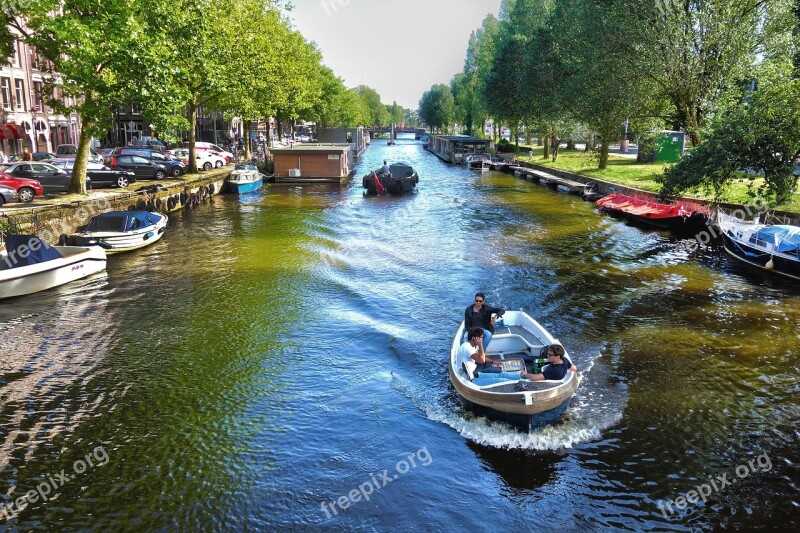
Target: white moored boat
x: 30, y: 265
x: 479, y: 162
x: 120, y: 231
x: 516, y: 344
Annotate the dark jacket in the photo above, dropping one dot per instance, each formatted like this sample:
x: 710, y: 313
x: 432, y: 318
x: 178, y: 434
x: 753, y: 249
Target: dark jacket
x: 485, y: 321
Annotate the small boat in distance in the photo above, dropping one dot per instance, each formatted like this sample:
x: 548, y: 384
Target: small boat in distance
x: 121, y: 231
x: 478, y: 162
x: 517, y: 344
x: 30, y: 265
x: 664, y: 216
x: 401, y: 178
x: 245, y: 178
x: 775, y: 248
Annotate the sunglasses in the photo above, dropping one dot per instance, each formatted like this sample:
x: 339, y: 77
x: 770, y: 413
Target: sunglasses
x: 479, y: 301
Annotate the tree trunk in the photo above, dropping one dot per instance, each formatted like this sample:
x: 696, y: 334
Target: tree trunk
x: 546, y: 144
x: 192, y: 138
x: 570, y: 144
x: 604, y: 152
x: 78, y: 182
x: 248, y: 127
x: 589, y: 143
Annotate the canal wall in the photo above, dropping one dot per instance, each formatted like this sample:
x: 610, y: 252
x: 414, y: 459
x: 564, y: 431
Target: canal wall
x: 52, y: 222
x: 692, y: 204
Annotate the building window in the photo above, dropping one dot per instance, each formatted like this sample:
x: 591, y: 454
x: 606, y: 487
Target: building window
x: 20, y: 89
x: 15, y: 57
x: 37, y: 96
x: 135, y: 110
x: 5, y: 87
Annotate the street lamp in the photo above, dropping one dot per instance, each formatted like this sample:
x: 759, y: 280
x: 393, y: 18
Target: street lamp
x: 131, y: 125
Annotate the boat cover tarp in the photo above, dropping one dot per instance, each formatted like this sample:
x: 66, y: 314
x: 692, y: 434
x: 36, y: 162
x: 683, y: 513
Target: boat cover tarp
x: 122, y: 221
x: 246, y: 167
x: 637, y: 207
x: 27, y: 250
x: 786, y: 237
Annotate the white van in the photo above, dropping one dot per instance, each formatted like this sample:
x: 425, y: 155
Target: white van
x: 213, y: 147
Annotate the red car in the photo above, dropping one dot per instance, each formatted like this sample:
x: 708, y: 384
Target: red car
x: 26, y: 188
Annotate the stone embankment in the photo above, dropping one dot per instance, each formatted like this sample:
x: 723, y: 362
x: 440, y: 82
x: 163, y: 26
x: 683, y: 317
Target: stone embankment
x: 51, y: 221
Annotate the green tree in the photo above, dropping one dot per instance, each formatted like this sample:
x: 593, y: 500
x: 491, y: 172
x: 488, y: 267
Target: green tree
x: 694, y: 50
x: 436, y: 107
x: 100, y: 54
x: 379, y: 116
x: 760, y: 132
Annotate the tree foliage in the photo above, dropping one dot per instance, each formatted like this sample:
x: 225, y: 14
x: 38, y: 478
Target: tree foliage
x: 437, y: 108
x: 759, y: 135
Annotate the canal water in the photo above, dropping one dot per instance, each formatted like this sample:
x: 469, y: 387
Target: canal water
x: 278, y: 362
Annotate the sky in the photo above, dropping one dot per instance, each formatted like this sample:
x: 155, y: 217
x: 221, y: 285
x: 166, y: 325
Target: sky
x: 400, y: 48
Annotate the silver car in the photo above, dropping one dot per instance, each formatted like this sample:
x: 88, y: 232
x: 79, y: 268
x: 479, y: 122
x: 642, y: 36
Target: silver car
x: 8, y: 194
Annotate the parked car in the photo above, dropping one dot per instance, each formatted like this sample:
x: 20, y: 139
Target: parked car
x: 41, y: 156
x: 226, y: 155
x: 52, y: 179
x: 99, y: 174
x: 174, y: 167
x: 7, y: 194
x: 206, y: 159
x: 71, y: 150
x: 26, y: 188
x: 142, y: 167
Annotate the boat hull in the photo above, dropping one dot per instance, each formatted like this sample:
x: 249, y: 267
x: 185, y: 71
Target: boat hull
x: 661, y: 216
x: 781, y: 263
x: 391, y: 185
x: 122, y: 241
x: 76, y: 263
x: 241, y: 187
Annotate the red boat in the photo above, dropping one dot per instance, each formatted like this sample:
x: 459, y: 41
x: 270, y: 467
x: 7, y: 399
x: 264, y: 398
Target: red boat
x: 665, y: 216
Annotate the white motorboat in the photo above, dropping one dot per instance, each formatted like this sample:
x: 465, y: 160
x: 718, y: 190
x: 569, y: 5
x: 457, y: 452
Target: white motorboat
x: 517, y: 344
x: 772, y: 247
x: 245, y: 178
x: 479, y: 162
x: 30, y: 265
x: 120, y: 231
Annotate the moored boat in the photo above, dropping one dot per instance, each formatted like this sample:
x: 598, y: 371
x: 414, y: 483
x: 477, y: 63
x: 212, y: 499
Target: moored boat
x: 120, y: 231
x: 478, y: 162
x: 30, y: 265
x: 772, y: 247
x: 516, y: 345
x: 401, y: 178
x: 245, y: 178
x: 663, y: 216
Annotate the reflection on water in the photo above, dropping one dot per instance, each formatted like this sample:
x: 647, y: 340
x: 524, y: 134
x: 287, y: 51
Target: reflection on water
x: 275, y: 349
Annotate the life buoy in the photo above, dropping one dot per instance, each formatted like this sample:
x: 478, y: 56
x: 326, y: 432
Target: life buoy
x: 62, y: 239
x: 184, y: 198
x: 132, y: 207
x: 170, y: 203
x: 211, y: 189
x: 158, y: 204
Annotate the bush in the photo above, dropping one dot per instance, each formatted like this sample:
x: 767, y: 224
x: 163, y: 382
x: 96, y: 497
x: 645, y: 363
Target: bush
x: 504, y: 146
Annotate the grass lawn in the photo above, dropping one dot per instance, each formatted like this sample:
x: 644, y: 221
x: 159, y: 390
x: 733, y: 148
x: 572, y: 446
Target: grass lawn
x: 628, y: 172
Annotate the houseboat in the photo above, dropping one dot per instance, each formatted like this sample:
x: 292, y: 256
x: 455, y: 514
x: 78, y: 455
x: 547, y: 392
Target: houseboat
x: 456, y: 148
x: 320, y: 163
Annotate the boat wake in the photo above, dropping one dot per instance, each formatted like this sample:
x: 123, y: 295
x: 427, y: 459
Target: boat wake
x: 597, y: 406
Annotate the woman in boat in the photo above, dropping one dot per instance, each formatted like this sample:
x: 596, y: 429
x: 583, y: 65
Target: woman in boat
x: 479, y: 315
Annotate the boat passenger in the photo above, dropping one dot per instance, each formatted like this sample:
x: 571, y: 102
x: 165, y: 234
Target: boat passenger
x: 472, y: 350
x: 557, y: 369
x: 384, y: 171
x: 558, y: 365
x: 480, y: 315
